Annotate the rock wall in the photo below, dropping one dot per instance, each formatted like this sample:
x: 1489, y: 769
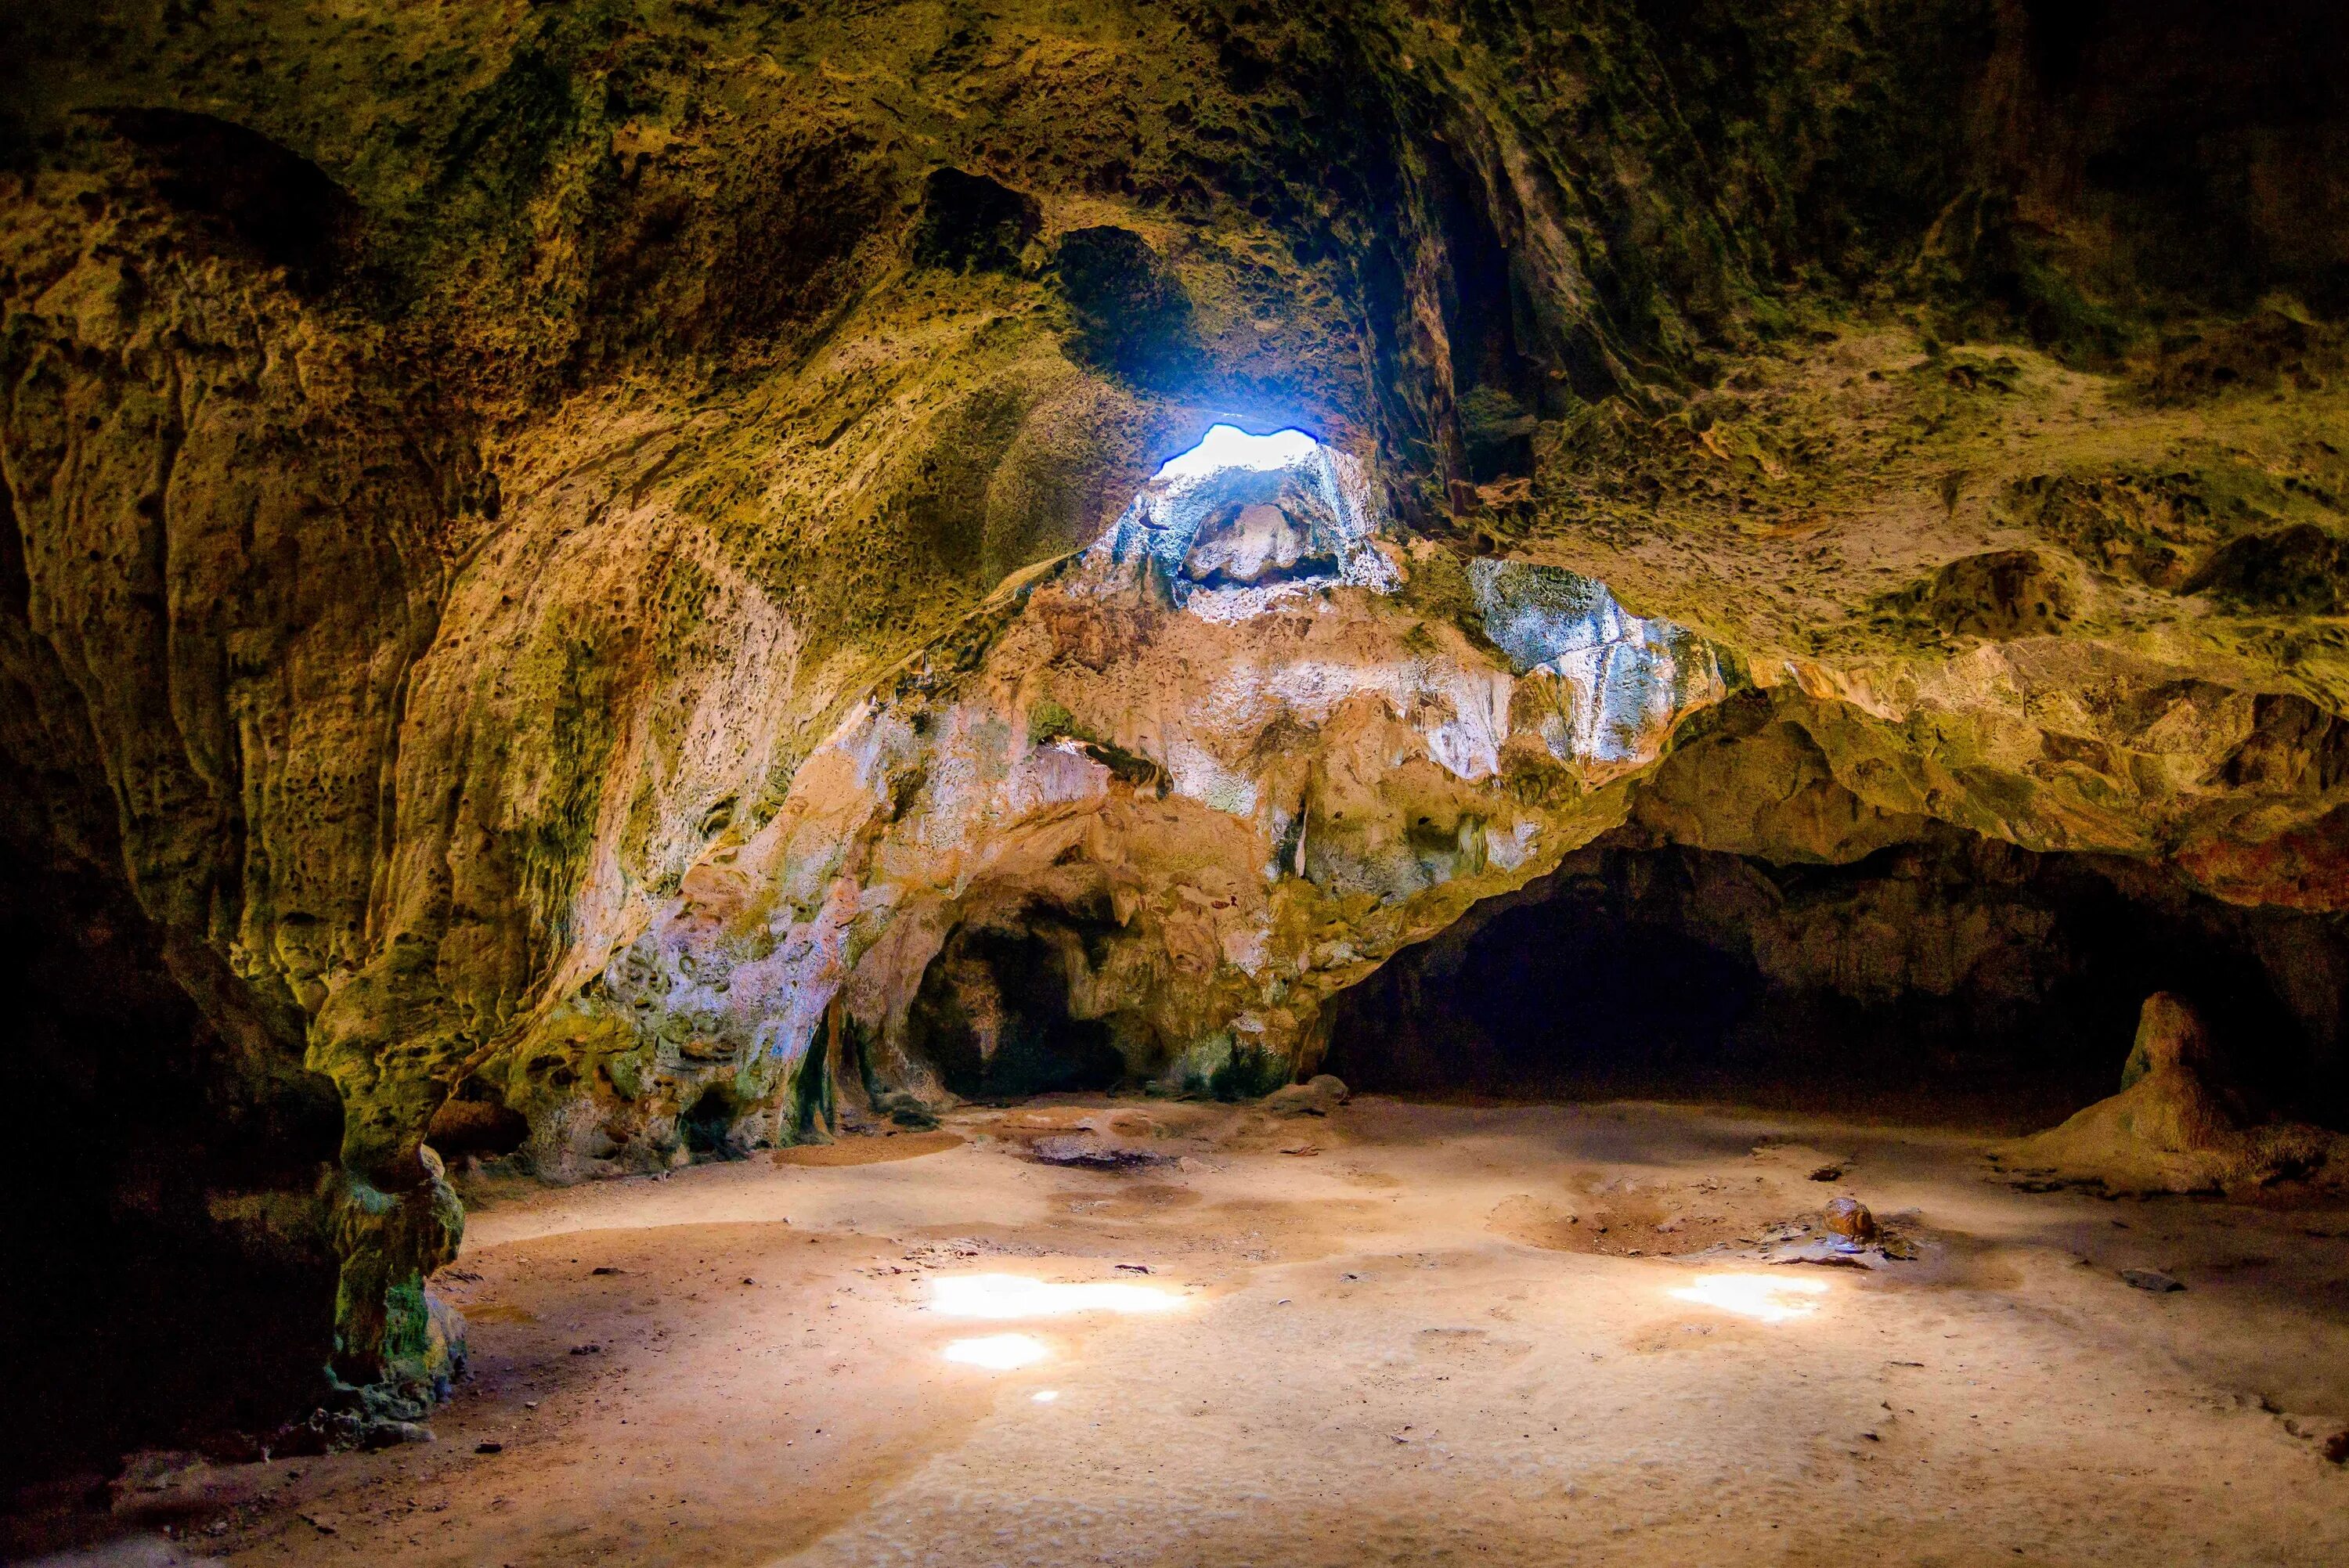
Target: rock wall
x: 229, y: 528
x: 579, y: 567
x: 168, y: 1230
x: 1245, y: 795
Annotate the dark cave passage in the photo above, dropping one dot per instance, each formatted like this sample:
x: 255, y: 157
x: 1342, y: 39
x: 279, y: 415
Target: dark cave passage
x: 707, y: 1124
x: 1955, y: 980
x: 171, y: 1279
x: 473, y: 1121
x: 993, y: 1016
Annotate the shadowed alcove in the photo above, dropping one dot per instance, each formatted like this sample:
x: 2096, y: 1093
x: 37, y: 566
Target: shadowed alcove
x: 1957, y: 978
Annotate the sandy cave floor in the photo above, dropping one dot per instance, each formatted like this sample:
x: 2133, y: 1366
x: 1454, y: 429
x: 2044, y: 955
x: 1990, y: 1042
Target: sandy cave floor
x: 1415, y: 1344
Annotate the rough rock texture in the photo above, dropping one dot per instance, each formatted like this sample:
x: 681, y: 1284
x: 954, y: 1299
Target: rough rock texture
x: 1317, y: 1095
x: 573, y: 564
x: 1112, y: 839
x: 2177, y: 1126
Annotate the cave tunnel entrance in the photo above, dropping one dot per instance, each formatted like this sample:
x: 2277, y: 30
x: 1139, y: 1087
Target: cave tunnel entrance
x: 994, y: 1016
x: 144, y: 1312
x: 708, y: 1123
x: 1956, y: 980
x: 474, y: 1123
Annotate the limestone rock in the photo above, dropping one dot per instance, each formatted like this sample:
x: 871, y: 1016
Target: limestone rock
x: 1259, y: 540
x: 1317, y: 1095
x: 582, y: 600
x: 2001, y: 594
x: 970, y: 222
x: 1850, y: 1219
x: 2175, y: 1129
x: 1096, y: 1152
x: 2170, y: 1037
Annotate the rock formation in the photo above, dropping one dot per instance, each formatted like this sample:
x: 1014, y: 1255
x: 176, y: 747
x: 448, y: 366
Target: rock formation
x: 2178, y: 1126
x: 597, y: 583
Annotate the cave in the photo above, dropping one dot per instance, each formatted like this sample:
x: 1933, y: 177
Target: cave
x: 1954, y: 980
x: 474, y: 1123
x: 992, y: 1016
x: 708, y: 1123
x: 802, y: 783
x: 190, y: 1156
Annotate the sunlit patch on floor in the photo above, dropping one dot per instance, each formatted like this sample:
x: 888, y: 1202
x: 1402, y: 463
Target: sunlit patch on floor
x: 1769, y: 1297
x: 1003, y: 1297
x: 1045, y: 1396
x: 998, y: 1352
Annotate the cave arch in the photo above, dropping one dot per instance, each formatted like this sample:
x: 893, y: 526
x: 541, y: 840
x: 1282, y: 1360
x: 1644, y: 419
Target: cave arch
x: 995, y: 1016
x: 1951, y: 978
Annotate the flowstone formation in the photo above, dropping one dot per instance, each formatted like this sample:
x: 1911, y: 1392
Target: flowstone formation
x: 593, y: 584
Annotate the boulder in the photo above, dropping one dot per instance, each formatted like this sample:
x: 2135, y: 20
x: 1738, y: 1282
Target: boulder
x: 1317, y: 1095
x: 1849, y: 1217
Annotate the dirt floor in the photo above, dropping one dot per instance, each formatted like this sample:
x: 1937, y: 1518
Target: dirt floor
x: 1404, y: 1334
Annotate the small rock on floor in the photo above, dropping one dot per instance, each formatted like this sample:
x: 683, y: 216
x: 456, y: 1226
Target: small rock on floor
x: 1850, y: 1218
x: 1317, y: 1095
x: 1086, y: 1148
x: 2150, y: 1279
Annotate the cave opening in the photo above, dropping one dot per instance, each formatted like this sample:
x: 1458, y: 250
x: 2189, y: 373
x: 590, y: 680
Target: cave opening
x: 708, y: 1123
x: 995, y: 1017
x: 169, y: 1279
x: 1239, y: 521
x: 1497, y: 388
x: 473, y: 1121
x: 1954, y: 981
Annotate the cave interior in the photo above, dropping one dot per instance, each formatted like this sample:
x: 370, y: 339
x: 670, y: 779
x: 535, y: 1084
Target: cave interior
x: 1163, y: 647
